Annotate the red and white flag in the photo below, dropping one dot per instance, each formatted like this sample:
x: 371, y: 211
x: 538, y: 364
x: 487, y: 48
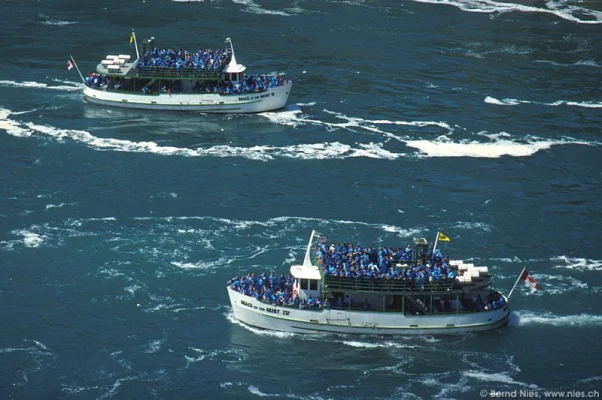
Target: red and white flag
x: 529, y: 280
x: 70, y: 64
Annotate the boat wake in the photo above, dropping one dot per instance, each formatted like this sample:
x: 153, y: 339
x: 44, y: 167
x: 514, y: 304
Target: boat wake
x: 547, y: 318
x: 480, y: 145
x: 515, y: 102
x: 564, y: 10
x: 69, y: 87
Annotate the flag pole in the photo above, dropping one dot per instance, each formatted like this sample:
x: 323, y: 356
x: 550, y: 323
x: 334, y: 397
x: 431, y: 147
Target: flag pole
x: 80, y: 73
x: 136, y: 44
x: 435, y: 245
x: 516, y: 283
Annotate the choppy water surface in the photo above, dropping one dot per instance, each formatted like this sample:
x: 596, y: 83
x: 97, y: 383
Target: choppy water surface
x: 119, y: 228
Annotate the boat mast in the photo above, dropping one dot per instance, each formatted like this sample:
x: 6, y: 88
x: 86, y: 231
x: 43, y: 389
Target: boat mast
x: 307, y: 259
x: 233, y: 59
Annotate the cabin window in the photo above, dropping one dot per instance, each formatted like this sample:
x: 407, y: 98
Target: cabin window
x: 304, y: 285
x: 313, y: 284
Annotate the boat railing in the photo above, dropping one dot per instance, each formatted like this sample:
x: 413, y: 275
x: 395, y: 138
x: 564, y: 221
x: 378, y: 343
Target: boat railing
x: 178, y: 73
x: 182, y: 72
x: 335, y: 284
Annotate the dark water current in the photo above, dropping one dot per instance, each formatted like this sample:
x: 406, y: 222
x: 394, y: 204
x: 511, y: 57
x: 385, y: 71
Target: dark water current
x: 119, y: 228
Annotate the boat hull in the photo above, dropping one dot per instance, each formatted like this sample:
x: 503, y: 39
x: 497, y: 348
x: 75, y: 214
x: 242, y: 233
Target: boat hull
x: 272, y: 99
x: 289, y: 319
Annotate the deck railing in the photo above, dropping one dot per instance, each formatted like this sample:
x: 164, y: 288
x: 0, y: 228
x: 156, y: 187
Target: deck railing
x: 342, y: 284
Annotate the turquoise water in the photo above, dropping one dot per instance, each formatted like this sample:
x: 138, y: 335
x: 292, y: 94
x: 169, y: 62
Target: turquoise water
x: 119, y: 228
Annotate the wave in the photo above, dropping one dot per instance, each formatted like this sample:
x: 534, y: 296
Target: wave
x: 282, y: 335
x: 47, y: 20
x: 72, y: 87
x: 514, y: 102
x: 583, y: 63
x: 61, y: 205
x: 565, y: 11
x: 499, y: 146
x: 30, y: 239
x: 580, y: 264
x: 496, y: 377
x: 548, y: 318
x: 315, y: 151
x: 255, y: 390
x: 254, y: 8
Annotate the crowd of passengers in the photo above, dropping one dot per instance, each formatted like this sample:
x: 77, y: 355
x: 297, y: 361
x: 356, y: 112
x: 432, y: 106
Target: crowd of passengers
x: 347, y: 260
x: 248, y: 84
x: 202, y: 59
x: 276, y: 290
x: 94, y: 79
x: 251, y: 84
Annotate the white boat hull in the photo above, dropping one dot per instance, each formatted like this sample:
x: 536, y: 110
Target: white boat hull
x: 289, y: 319
x: 272, y: 99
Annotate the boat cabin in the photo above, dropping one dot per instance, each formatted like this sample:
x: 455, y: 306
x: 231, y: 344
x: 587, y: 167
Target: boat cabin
x: 308, y: 281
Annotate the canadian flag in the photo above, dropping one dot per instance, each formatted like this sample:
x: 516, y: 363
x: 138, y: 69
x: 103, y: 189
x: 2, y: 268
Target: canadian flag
x: 529, y: 280
x: 70, y: 64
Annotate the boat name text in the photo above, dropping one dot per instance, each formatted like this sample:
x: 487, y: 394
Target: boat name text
x: 268, y: 309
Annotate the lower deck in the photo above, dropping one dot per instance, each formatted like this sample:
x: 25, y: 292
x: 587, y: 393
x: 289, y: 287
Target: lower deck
x: 291, y: 319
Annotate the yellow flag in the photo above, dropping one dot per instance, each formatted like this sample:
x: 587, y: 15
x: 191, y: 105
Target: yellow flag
x: 132, y: 38
x: 443, y: 238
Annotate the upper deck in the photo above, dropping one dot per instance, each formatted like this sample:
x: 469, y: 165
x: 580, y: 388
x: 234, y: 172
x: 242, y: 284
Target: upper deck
x: 394, y: 271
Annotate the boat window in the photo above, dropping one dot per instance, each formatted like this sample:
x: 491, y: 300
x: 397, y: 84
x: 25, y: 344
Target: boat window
x: 314, y: 284
x: 304, y: 284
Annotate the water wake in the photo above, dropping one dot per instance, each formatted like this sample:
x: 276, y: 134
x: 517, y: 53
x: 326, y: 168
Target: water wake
x: 515, y: 102
x: 548, y: 318
x: 565, y: 11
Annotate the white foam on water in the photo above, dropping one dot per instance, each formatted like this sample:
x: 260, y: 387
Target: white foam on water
x: 293, y: 116
x: 561, y: 10
x: 289, y: 116
x: 386, y: 345
x: 255, y: 390
x: 514, y: 102
x: 498, y: 146
x: 579, y: 264
x: 114, y: 389
x: 282, y: 335
x: 11, y: 127
x: 316, y: 151
x: 497, y: 377
x: 37, y: 85
x: 61, y: 205
x: 547, y: 318
x: 363, y: 345
x: 473, y: 226
x: 154, y: 346
x: 255, y: 8
x: 30, y: 239
x: 584, y: 63
x: 132, y: 289
x: 58, y: 23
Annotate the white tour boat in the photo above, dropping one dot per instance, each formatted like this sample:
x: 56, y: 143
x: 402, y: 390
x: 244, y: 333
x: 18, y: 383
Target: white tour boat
x: 347, y: 289
x: 206, y: 80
